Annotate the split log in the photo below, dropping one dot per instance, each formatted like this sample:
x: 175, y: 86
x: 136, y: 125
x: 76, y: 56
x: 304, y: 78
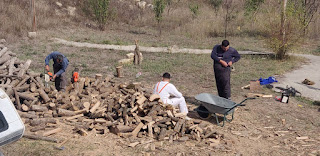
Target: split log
x: 94, y: 108
x: 137, y: 129
x: 150, y: 130
x: 24, y: 68
x: 52, y: 132
x: 154, y: 97
x: 74, y: 117
x: 141, y: 100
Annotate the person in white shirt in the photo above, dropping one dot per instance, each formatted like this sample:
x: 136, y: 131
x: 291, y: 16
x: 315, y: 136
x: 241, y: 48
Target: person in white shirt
x: 165, y: 89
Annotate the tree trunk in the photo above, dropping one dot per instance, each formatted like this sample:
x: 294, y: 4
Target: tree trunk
x: 282, y: 51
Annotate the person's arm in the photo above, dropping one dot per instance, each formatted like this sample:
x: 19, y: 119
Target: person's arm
x: 214, y: 53
x: 48, y: 58
x: 64, y: 67
x: 235, y: 56
x: 173, y: 91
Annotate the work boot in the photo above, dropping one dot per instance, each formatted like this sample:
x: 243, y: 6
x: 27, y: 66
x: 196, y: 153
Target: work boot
x: 307, y: 82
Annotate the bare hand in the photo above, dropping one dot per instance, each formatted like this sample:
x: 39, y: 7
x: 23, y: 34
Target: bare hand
x: 230, y: 63
x: 47, y: 68
x: 224, y: 63
x: 54, y: 77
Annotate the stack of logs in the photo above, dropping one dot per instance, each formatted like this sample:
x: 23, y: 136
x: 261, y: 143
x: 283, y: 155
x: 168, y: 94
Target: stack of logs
x: 98, y: 104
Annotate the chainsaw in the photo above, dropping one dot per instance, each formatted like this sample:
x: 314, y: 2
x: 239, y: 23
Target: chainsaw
x: 48, y: 76
x: 75, y: 75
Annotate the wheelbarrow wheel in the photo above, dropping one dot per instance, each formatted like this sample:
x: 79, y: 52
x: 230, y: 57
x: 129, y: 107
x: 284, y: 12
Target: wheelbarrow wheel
x: 203, y: 112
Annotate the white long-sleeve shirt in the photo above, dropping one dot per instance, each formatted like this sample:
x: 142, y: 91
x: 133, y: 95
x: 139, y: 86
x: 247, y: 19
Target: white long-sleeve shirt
x: 165, y: 89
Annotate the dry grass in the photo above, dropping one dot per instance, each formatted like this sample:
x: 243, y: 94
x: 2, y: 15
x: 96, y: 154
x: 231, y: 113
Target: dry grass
x: 126, y: 25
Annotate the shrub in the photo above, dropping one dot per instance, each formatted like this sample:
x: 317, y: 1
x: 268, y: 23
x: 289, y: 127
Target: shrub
x: 100, y: 10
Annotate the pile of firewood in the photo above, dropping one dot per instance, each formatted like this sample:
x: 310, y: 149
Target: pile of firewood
x: 98, y: 104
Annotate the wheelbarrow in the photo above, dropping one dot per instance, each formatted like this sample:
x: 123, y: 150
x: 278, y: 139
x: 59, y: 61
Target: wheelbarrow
x: 213, y: 105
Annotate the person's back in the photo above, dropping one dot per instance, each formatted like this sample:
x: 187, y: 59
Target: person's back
x: 165, y: 89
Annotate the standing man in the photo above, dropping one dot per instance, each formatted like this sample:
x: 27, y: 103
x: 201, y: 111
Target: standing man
x: 164, y: 89
x: 60, y: 64
x: 223, y: 57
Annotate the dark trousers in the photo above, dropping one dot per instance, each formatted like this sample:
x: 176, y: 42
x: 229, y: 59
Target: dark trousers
x: 222, y: 75
x: 61, y: 81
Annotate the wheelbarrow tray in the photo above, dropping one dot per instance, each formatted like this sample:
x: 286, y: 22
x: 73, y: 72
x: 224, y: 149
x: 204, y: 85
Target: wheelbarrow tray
x: 216, y: 104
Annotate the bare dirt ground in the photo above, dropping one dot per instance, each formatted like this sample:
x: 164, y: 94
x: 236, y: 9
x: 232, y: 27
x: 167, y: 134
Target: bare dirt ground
x: 262, y: 127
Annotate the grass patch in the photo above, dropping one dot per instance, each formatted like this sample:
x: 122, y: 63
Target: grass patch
x: 304, y: 100
x: 316, y: 51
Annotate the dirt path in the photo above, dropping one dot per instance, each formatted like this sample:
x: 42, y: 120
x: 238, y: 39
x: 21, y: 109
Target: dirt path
x: 308, y: 71
x: 171, y: 49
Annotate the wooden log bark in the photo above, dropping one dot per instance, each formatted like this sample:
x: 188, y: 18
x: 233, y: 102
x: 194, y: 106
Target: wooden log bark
x: 37, y: 137
x: 42, y: 121
x: 4, y: 59
x: 24, y: 68
x: 64, y: 112
x: 120, y: 129
x: 178, y: 125
x: 43, y: 95
x: 23, y: 81
x: 23, y: 88
x: 36, y: 82
x: 17, y: 100
x: 119, y: 71
x: 3, y: 51
x: 81, y: 131
x: 9, y: 91
x: 39, y: 128
x: 150, y: 130
x: 33, y: 87
x: 39, y: 108
x: 27, y: 115
x: 40, y: 81
x: 163, y: 134
x: 11, y: 66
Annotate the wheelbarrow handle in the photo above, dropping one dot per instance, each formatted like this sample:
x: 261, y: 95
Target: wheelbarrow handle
x: 240, y: 104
